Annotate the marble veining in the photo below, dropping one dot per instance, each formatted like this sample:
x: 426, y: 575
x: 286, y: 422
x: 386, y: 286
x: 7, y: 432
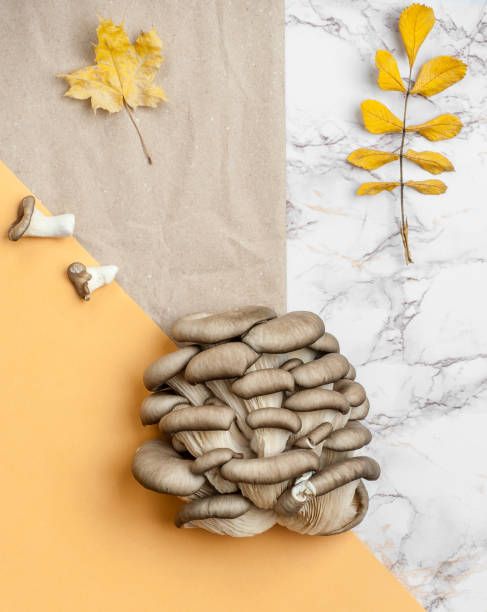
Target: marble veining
x: 418, y: 334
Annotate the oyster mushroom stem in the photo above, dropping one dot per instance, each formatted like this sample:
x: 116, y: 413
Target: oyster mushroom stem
x: 31, y: 222
x: 330, y: 478
x: 88, y: 279
x: 362, y: 501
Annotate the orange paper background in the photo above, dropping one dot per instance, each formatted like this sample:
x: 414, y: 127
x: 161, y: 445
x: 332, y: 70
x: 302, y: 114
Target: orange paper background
x: 77, y: 532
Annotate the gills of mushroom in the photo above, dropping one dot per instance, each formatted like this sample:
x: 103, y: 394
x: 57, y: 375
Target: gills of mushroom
x: 88, y: 279
x: 32, y: 222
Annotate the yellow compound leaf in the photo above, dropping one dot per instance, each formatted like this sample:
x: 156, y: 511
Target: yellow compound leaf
x: 440, y: 128
x: 435, y: 163
x: 430, y: 187
x: 378, y: 119
x: 374, y: 188
x: 388, y: 77
x: 370, y: 159
x: 438, y: 74
x: 415, y: 24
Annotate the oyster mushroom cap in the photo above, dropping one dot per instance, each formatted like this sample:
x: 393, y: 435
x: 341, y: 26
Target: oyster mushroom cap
x: 157, y: 405
x: 315, y: 437
x: 80, y: 277
x: 197, y: 418
x: 327, y: 343
x: 213, y: 458
x: 274, y: 417
x: 351, y: 437
x: 290, y: 332
x: 360, y: 412
x: 351, y: 374
x: 270, y: 470
x: 158, y: 467
x: 291, y: 364
x: 160, y: 371
x: 263, y: 382
x: 24, y: 216
x: 317, y: 399
x: 209, y: 329
x: 362, y: 501
x: 217, y: 506
x: 353, y: 391
x: 322, y: 371
x: 218, y: 362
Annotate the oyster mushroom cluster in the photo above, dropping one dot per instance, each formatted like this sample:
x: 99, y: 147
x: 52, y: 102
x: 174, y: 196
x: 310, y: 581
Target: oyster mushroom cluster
x: 259, y: 417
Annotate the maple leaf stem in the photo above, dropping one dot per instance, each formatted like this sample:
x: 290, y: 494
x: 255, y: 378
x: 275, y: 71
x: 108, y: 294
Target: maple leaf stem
x: 404, y: 227
x: 132, y: 118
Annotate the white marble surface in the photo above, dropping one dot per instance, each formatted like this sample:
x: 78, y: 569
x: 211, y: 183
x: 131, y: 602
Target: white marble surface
x: 417, y: 334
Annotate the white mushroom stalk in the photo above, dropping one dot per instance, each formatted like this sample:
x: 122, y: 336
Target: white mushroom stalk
x: 32, y: 222
x: 259, y: 417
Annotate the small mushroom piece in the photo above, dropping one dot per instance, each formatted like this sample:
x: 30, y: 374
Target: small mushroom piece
x: 88, y: 279
x: 290, y: 332
x: 212, y: 459
x: 317, y: 399
x: 270, y: 470
x: 360, y: 412
x: 327, y: 343
x: 210, y: 329
x: 157, y: 405
x: 31, y: 222
x: 290, y: 364
x: 351, y: 437
x: 158, y: 467
x: 161, y: 371
x: 314, y: 437
x: 197, y: 418
x: 263, y: 382
x: 353, y: 391
x: 219, y: 362
x: 324, y: 370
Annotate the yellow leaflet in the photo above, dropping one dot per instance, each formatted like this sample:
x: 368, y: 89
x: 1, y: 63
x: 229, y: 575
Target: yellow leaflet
x: 440, y: 128
x: 430, y: 187
x: 435, y: 163
x: 388, y: 77
x: 374, y: 188
x: 122, y: 71
x: 438, y: 74
x: 415, y: 24
x: 370, y: 159
x: 378, y: 119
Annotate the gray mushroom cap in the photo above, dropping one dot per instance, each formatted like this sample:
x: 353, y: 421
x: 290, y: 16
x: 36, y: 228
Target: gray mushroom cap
x: 290, y: 364
x: 315, y: 437
x: 263, y: 382
x: 327, y: 343
x: 157, y: 405
x: 217, y: 506
x: 197, y: 418
x: 271, y: 470
x: 213, y: 458
x: 215, y: 328
x: 24, y: 216
x: 157, y: 466
x: 274, y: 417
x: 290, y: 332
x: 160, y: 371
x: 327, y: 369
x: 360, y: 412
x: 219, y: 362
x: 353, y: 391
x: 317, y: 399
x: 351, y: 437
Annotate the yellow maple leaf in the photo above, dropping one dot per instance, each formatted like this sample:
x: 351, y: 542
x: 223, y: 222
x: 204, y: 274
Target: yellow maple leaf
x: 388, y: 77
x: 374, y: 188
x: 430, y: 187
x: 432, y: 162
x: 438, y: 74
x: 378, y: 119
x: 123, y: 74
x: 415, y: 24
x: 442, y: 127
x: 370, y: 159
